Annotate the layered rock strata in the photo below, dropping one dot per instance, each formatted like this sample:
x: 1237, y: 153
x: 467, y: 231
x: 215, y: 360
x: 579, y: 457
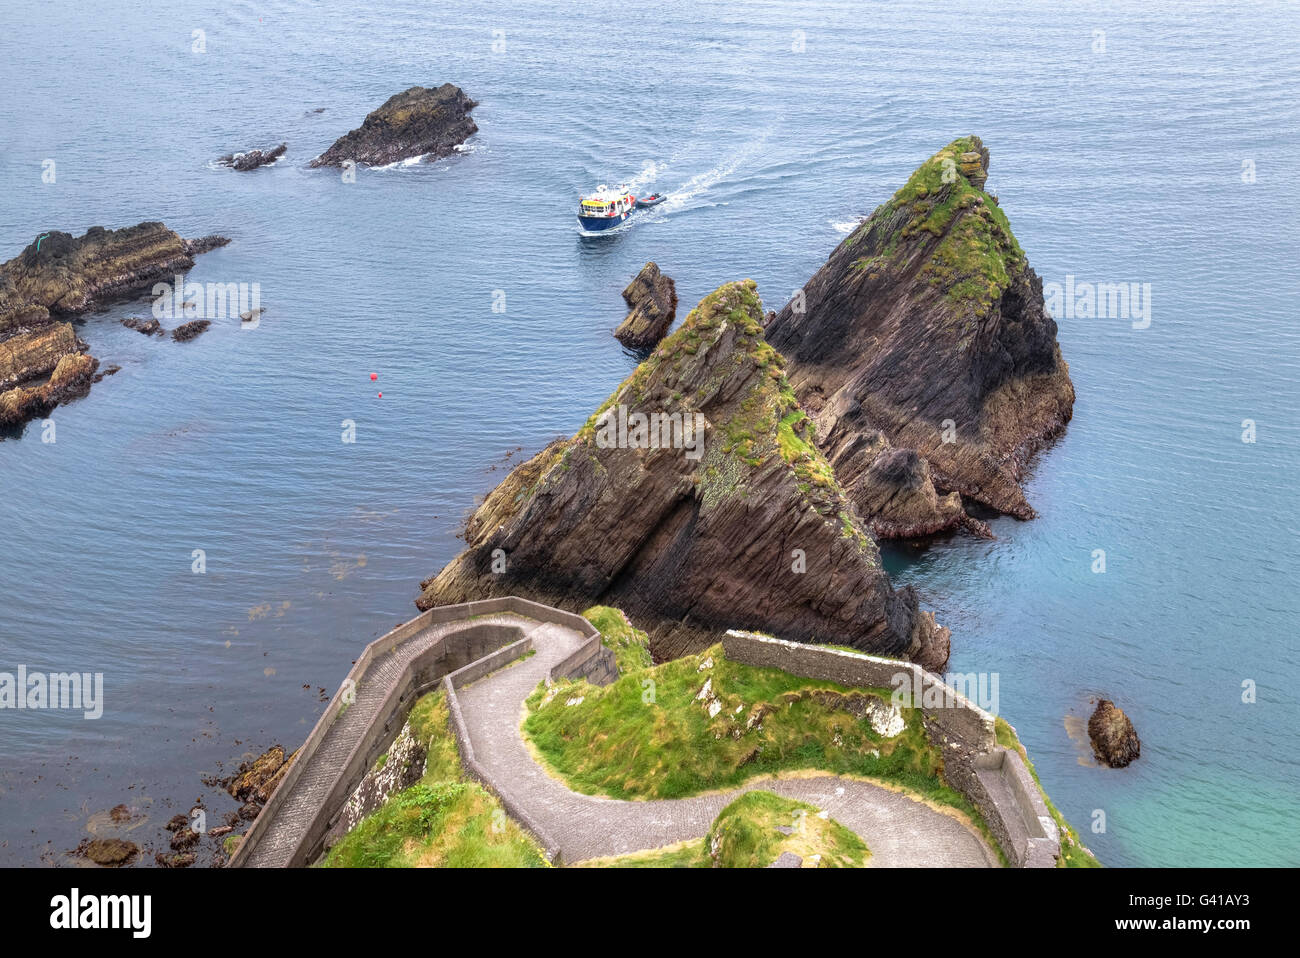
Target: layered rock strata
x: 696, y: 500
x: 924, y: 353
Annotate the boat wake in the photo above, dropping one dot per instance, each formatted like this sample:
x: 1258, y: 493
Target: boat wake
x: 687, y: 195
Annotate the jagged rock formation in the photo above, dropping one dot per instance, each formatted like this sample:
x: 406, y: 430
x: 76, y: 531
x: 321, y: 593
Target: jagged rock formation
x: 421, y: 121
x: 256, y: 780
x: 150, y: 327
x: 652, y: 306
x: 42, y: 361
x: 747, y: 528
x: 923, y: 350
x: 1114, y: 740
x: 252, y: 159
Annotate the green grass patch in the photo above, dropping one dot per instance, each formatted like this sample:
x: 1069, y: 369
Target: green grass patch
x: 637, y: 740
x: 973, y: 243
x: 631, y: 646
x: 440, y: 822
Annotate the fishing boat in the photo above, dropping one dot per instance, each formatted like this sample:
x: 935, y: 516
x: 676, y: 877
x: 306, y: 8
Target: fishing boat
x: 605, y: 208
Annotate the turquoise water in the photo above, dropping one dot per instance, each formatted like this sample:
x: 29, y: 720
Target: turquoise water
x: 1116, y: 166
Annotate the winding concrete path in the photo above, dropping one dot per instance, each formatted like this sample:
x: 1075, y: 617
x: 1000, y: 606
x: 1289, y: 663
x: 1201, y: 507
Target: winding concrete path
x: 900, y: 831
x: 301, y: 803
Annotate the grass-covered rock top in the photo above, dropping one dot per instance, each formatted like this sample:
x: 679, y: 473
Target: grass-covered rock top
x: 630, y: 645
x: 704, y: 722
x: 972, y: 248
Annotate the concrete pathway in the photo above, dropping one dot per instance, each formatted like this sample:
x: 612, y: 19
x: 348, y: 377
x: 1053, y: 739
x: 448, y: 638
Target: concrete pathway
x: 899, y: 830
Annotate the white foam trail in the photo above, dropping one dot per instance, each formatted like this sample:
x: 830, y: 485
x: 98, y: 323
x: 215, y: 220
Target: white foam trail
x: 647, y: 175
x: 702, y: 182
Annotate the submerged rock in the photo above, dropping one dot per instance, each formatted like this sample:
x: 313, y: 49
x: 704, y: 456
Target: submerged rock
x: 1114, y: 740
x: 422, y: 121
x: 110, y: 852
x: 728, y: 518
x: 926, y: 332
x: 252, y: 159
x: 266, y: 789
x: 191, y: 330
x: 150, y: 327
x: 42, y: 361
x: 652, y: 306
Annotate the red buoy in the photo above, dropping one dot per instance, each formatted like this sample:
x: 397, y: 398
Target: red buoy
x: 381, y: 395
x: 374, y: 376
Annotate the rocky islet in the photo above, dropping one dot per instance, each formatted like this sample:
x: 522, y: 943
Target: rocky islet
x: 58, y: 277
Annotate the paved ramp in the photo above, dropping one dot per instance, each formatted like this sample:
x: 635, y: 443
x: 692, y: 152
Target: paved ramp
x: 900, y: 831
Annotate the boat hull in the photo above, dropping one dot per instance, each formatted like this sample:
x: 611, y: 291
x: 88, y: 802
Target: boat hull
x: 597, y: 224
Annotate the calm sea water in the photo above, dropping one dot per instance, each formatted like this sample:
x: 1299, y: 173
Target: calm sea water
x: 1119, y: 158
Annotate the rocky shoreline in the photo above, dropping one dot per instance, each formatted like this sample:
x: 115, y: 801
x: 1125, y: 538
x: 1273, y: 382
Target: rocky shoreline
x: 43, y: 362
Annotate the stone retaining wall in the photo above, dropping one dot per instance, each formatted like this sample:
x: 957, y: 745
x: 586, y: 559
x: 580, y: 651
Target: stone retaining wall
x: 592, y: 661
x: 465, y: 652
x: 473, y: 645
x: 993, y: 778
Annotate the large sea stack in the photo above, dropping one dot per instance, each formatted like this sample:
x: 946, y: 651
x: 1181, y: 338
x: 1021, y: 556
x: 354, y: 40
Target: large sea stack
x: 924, y: 353
x: 58, y: 276
x: 421, y: 121
x: 743, y: 526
